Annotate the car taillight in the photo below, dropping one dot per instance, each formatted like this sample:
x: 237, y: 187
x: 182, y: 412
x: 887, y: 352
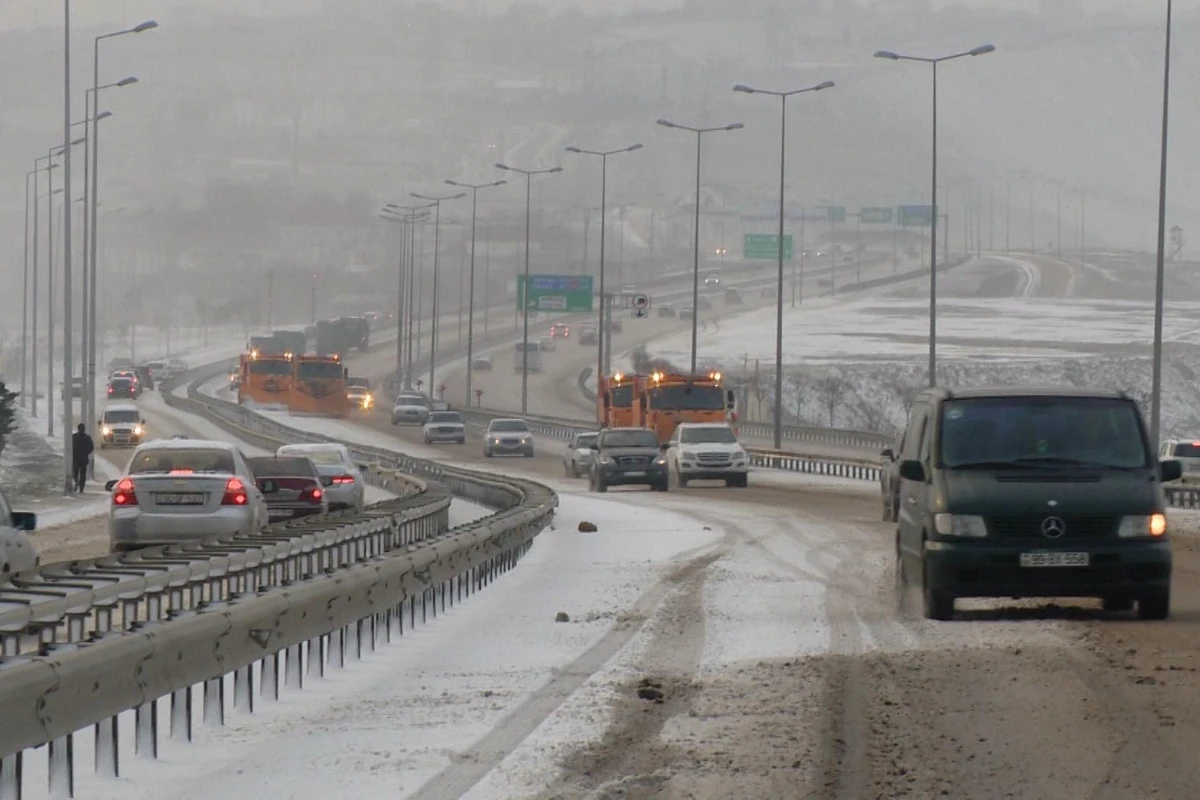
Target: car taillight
x: 313, y: 496
x: 123, y: 494
x: 110, y: 390
x: 343, y: 479
x: 235, y: 493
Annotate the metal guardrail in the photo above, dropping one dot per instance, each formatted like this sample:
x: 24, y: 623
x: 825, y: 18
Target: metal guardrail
x: 85, y: 641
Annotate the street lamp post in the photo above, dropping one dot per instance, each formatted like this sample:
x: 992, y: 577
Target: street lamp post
x: 474, y: 187
x: 696, y: 243
x: 524, y: 293
x: 25, y: 297
x: 603, y: 357
x: 408, y: 219
x: 783, y: 97
x: 1160, y: 262
x: 933, y: 62
x: 433, y: 330
x: 33, y: 322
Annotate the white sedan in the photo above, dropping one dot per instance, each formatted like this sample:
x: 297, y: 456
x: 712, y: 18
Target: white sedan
x: 17, y: 551
x: 446, y: 426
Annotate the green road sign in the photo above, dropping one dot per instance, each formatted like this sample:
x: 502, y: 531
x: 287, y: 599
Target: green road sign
x: 832, y: 213
x: 766, y: 245
x: 920, y: 216
x: 568, y: 293
x: 875, y: 216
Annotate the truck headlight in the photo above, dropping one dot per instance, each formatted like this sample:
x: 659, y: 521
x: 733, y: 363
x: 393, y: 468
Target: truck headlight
x: 137, y: 430
x: 1150, y: 525
x: 105, y: 431
x: 966, y: 525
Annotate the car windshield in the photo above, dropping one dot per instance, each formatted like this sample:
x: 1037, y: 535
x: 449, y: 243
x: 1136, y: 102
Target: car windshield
x: 509, y: 426
x: 1186, y: 450
x: 167, y: 460
x: 585, y: 441
x: 319, y: 369
x: 116, y: 417
x: 716, y: 435
x: 412, y: 400
x: 1042, y: 430
x: 270, y: 366
x: 285, y: 467
x: 688, y: 398
x: 324, y: 458
x: 639, y: 438
x: 622, y: 396
x: 446, y: 416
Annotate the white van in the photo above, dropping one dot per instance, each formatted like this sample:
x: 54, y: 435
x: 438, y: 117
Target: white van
x: 532, y: 353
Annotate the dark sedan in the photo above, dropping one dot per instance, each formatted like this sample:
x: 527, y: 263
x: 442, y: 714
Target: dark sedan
x: 291, y: 486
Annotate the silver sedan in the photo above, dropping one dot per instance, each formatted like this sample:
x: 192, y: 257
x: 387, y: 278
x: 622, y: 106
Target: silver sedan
x: 341, y: 477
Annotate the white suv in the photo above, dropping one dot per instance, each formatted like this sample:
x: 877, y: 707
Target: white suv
x: 707, y: 451
x: 1187, y: 453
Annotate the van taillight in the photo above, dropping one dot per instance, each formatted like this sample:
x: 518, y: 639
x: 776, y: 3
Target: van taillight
x: 235, y: 493
x: 123, y: 493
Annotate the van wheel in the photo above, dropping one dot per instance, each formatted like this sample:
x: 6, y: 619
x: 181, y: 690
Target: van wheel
x: 936, y: 603
x: 1155, y: 606
x: 1117, y: 603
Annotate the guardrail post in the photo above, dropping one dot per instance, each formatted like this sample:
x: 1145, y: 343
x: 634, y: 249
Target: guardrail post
x: 11, y: 777
x: 77, y: 624
x: 62, y: 767
x: 154, y: 604
x: 270, y: 676
x: 214, y: 702
x: 295, y: 666
x: 243, y: 688
x: 108, y: 748
x: 181, y: 714
x: 358, y: 639
x: 145, y: 721
x: 340, y: 647
x: 129, y: 612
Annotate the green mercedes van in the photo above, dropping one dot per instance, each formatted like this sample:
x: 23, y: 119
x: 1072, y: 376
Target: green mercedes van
x: 1024, y: 492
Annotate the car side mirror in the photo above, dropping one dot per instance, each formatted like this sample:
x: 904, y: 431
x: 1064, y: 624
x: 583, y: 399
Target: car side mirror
x: 665, y: 446
x: 887, y: 453
x: 1171, y: 470
x: 24, y: 520
x: 268, y: 486
x: 595, y: 446
x: 108, y: 487
x: 364, y: 467
x: 912, y: 470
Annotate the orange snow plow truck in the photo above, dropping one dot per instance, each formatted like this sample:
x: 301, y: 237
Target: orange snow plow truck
x: 661, y: 400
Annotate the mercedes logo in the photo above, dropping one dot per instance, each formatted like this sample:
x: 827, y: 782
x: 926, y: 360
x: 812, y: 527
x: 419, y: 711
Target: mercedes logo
x: 1053, y: 527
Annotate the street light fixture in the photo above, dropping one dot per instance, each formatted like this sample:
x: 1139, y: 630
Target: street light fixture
x: 891, y: 56
x: 471, y: 291
x: 524, y: 293
x: 33, y: 350
x: 603, y: 356
x: 783, y: 97
x: 696, y: 244
x: 62, y: 150
x: 437, y: 214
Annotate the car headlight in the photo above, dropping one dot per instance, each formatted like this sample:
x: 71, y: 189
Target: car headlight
x: 688, y: 454
x: 106, y: 430
x: 1148, y: 526
x: 966, y: 525
x: 661, y: 461
x: 495, y: 441
x: 137, y: 430
x: 605, y: 460
x: 524, y: 440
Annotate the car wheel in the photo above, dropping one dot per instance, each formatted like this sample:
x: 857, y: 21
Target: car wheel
x: 462, y: 441
x: 664, y: 486
x: 599, y: 485
x: 487, y: 453
x: 1155, y: 606
x: 1115, y: 603
x: 936, y: 603
x: 683, y: 481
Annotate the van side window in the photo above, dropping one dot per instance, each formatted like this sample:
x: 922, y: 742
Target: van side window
x: 915, y: 434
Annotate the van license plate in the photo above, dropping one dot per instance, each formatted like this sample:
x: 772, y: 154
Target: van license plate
x: 1054, y: 559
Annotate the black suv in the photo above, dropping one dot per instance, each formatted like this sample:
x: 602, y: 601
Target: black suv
x: 1032, y: 493
x: 627, y: 455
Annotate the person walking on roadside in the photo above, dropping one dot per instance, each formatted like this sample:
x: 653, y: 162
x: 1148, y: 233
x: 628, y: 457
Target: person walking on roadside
x: 81, y: 453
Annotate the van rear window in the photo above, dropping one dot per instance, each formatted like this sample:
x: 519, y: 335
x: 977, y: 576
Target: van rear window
x: 1187, y: 450
x: 1092, y: 431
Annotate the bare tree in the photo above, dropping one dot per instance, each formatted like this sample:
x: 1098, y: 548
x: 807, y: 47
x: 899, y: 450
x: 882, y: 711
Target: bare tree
x: 831, y: 389
x: 905, y: 392
x: 796, y: 383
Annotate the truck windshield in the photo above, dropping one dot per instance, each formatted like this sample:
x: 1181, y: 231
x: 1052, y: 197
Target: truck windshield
x: 1050, y: 430
x: 622, y: 396
x: 687, y: 398
x: 270, y: 366
x: 319, y: 369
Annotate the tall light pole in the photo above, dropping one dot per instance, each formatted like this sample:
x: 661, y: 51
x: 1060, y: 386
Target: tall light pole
x: 696, y: 243
x: 603, y: 355
x: 933, y: 62
x: 407, y: 216
x: 783, y: 97
x: 524, y: 293
x: 433, y: 330
x: 474, y: 187
x: 25, y: 298
x: 1160, y: 262
x: 33, y: 322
